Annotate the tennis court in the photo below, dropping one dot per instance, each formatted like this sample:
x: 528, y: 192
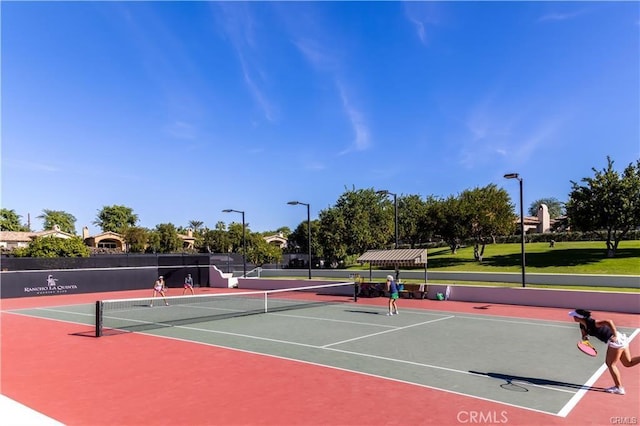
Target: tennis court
x: 529, y: 365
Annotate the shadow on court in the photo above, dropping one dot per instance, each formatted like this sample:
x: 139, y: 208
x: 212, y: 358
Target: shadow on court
x: 537, y: 381
x: 366, y: 312
x: 525, y: 363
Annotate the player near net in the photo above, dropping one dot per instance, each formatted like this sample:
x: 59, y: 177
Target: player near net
x: 188, y: 284
x: 617, y: 344
x: 158, y: 289
x: 392, y: 289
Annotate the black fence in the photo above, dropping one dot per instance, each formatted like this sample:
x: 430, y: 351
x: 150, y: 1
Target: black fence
x: 25, y: 276
x: 225, y: 262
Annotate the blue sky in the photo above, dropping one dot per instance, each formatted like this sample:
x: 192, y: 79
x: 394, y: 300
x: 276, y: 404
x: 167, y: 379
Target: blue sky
x: 182, y: 109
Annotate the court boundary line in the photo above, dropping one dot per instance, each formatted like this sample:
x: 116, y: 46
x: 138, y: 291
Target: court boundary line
x: 410, y: 311
x: 418, y: 364
x: 326, y: 347
x: 480, y: 398
x: 571, y: 404
x: 384, y: 331
x: 21, y: 414
x: 562, y: 413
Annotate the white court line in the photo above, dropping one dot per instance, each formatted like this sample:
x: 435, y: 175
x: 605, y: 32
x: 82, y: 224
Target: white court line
x: 329, y: 366
x: 383, y: 332
x: 16, y: 414
x: 60, y: 311
x: 568, y: 407
x: 480, y: 398
x: 578, y: 396
x: 306, y: 345
x: 332, y: 320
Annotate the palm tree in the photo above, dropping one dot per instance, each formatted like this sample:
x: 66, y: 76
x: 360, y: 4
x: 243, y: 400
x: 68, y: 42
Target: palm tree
x: 195, y: 225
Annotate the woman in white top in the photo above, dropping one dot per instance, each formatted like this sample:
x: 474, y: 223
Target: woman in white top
x: 158, y: 288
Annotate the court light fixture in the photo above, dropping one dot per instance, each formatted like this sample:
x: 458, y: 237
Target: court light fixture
x: 522, y: 253
x: 298, y: 203
x: 244, y: 241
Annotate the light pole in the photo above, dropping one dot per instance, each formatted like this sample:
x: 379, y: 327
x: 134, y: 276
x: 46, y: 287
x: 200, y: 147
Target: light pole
x: 395, y: 211
x: 295, y: 203
x: 244, y: 241
x: 517, y: 176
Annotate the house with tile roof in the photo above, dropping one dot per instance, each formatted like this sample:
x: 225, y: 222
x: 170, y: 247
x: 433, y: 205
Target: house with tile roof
x: 10, y: 240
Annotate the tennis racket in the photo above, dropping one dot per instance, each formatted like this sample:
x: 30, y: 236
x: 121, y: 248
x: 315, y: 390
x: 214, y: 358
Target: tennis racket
x: 586, y: 347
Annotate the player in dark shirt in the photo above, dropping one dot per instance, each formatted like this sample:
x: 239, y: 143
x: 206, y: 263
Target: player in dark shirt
x: 617, y: 344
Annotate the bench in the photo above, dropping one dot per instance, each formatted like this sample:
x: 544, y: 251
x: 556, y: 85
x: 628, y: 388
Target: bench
x: 414, y: 291
x: 371, y: 289
x: 409, y: 291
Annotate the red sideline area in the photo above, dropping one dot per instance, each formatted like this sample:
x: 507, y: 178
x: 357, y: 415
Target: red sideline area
x: 135, y: 379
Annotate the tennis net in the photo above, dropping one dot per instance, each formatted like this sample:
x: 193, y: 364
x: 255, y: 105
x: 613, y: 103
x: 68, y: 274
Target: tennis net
x: 140, y: 314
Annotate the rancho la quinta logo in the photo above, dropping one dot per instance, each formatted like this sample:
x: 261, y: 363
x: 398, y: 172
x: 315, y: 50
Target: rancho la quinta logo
x: 51, y: 286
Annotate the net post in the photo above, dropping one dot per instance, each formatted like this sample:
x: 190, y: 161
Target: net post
x: 98, y: 318
x: 355, y: 290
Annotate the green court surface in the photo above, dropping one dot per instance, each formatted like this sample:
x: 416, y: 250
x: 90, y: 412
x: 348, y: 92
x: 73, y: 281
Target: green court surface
x: 531, y: 364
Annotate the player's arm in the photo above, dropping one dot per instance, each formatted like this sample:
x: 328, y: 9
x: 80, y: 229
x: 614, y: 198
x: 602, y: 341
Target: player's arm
x: 583, y: 331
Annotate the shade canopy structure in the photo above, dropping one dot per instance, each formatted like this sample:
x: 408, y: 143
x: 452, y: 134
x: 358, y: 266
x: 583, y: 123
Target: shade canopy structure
x: 395, y: 258
x: 399, y: 257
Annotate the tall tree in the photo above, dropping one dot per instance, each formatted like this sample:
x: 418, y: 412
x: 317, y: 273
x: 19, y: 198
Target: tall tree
x: 284, y: 230
x: 234, y: 234
x: 298, y: 241
x: 65, y: 221
x: 556, y: 208
x: 368, y: 224
x: 216, y: 240
x: 49, y: 246
x: 608, y: 203
x: 136, y: 238
x: 427, y: 222
x: 449, y: 221
x: 260, y: 252
x: 10, y: 221
x: 332, y: 236
x: 487, y: 212
x: 196, y: 225
x: 115, y: 218
x: 411, y: 214
x: 167, y: 239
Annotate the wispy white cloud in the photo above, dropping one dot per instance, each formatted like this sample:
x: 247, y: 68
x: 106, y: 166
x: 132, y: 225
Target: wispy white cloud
x: 422, y: 15
x: 562, y: 16
x: 495, y: 132
x: 361, y: 140
x: 315, y: 166
x: 324, y: 60
x: 256, y: 92
x: 255, y: 151
x: 420, y: 30
x: 315, y: 54
x: 533, y: 141
x: 31, y: 166
x: 181, y: 130
x: 239, y: 27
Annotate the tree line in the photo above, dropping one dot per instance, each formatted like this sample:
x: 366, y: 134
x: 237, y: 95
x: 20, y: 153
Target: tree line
x: 362, y: 219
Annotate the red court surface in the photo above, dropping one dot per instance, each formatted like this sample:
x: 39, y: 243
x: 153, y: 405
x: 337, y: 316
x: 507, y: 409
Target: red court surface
x: 137, y: 379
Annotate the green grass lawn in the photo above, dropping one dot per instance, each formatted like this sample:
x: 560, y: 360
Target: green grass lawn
x: 565, y: 258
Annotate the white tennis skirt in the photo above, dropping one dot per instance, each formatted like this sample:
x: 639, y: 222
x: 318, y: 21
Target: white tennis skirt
x: 622, y: 341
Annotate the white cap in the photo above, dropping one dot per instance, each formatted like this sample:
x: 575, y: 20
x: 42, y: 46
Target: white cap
x: 389, y: 278
x: 575, y: 314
